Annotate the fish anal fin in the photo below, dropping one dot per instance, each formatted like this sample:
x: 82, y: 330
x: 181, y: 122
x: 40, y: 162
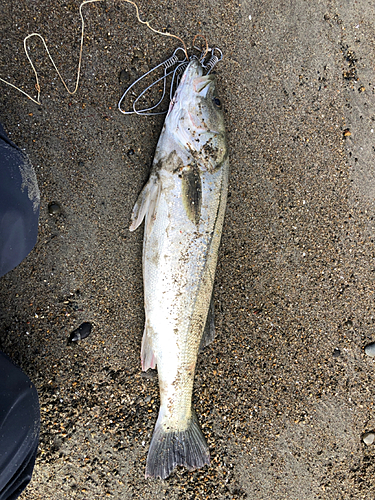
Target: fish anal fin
x: 209, y: 329
x: 148, y: 358
x: 172, y: 447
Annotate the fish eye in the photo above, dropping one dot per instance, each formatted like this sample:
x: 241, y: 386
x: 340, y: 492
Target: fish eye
x: 217, y: 102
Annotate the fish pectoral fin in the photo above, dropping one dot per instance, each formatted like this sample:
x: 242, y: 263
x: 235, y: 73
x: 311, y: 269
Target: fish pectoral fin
x: 148, y: 357
x: 146, y: 203
x: 192, y: 194
x: 209, y: 330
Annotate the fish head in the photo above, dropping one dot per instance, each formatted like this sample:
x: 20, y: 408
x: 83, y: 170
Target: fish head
x: 196, y: 117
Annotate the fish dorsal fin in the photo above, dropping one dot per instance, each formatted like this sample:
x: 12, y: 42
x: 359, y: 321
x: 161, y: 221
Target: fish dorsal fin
x: 146, y: 203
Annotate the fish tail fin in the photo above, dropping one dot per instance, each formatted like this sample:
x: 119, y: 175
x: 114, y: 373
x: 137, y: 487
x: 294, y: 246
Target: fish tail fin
x: 170, y: 448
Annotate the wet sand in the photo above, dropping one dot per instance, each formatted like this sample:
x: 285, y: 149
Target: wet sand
x: 285, y: 392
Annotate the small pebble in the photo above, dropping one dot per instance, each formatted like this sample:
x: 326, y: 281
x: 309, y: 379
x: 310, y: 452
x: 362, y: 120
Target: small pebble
x: 130, y: 152
x: 370, y: 349
x: 80, y: 333
x: 124, y: 76
x: 336, y: 352
x: 54, y: 208
x: 138, y: 53
x: 368, y: 438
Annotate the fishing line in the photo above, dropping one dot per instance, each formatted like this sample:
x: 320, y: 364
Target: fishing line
x: 179, y: 66
x: 203, y: 55
x: 157, y: 31
x: 72, y: 92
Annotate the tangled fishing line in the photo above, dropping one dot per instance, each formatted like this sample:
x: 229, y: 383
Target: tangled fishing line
x: 72, y: 92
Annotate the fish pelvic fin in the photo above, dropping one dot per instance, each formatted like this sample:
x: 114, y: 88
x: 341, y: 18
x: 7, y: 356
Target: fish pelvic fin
x: 170, y: 448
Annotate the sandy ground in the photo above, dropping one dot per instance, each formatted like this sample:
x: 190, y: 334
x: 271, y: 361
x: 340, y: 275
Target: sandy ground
x: 285, y: 392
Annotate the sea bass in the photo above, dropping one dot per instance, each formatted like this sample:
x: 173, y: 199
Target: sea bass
x: 183, y: 204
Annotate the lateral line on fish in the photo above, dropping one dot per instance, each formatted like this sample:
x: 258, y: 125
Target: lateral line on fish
x: 72, y: 92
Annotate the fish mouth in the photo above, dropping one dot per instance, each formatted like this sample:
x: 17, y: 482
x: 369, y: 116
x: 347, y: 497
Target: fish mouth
x: 193, y: 71
x: 203, y: 83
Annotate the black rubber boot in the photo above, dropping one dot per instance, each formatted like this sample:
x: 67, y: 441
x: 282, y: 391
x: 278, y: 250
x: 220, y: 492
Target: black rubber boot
x: 19, y: 205
x: 19, y: 429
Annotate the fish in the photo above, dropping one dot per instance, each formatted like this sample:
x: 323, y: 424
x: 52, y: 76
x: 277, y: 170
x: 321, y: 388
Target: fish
x: 183, y: 205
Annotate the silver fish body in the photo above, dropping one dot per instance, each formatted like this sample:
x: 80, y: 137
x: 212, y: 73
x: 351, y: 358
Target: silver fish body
x: 183, y: 204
